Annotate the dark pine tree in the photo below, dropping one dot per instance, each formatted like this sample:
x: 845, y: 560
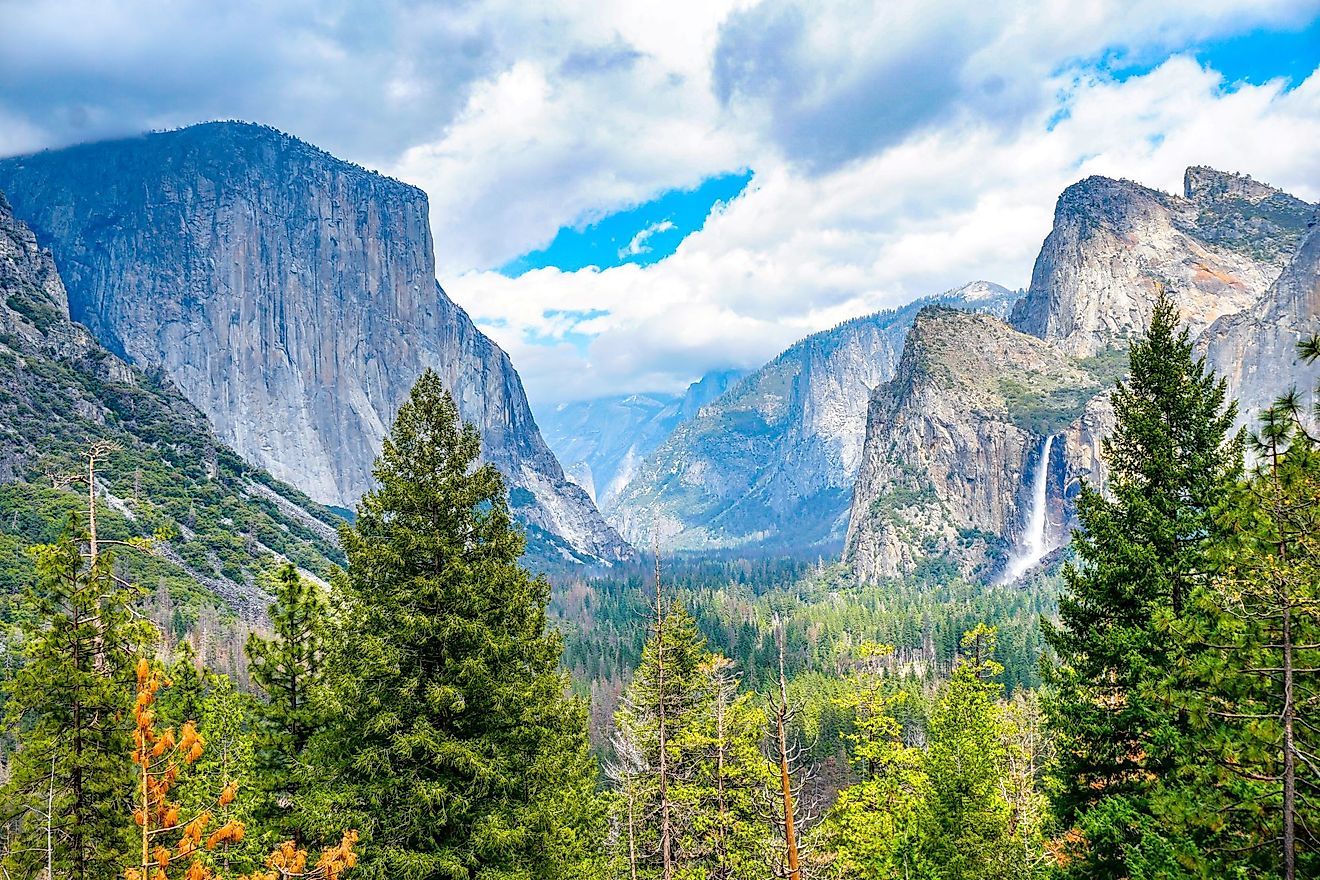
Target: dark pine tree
x: 454, y: 749
x: 1143, y: 549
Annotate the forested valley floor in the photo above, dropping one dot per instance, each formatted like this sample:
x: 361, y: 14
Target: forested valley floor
x: 416, y: 704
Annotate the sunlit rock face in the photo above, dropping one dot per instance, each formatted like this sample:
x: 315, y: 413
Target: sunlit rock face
x: 772, y: 461
x: 1256, y: 350
x: 952, y: 443
x: 292, y: 297
x: 1216, y: 249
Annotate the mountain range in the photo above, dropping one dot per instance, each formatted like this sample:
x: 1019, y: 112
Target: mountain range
x: 275, y: 304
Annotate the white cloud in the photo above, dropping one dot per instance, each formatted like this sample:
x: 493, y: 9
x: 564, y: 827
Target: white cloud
x: 798, y: 252
x: 638, y: 244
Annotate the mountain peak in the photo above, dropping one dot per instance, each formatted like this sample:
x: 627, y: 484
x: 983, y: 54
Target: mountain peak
x: 1204, y: 184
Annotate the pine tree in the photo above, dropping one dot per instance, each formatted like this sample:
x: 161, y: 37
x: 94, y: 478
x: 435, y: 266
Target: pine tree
x: 453, y: 748
x: 966, y: 817
x: 1250, y: 679
x: 872, y: 829
x: 730, y: 779
x: 289, y: 671
x: 1142, y: 550
x: 659, y: 716
x: 67, y: 701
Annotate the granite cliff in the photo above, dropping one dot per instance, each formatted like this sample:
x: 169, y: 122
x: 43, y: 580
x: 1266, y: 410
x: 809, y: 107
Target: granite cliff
x: 1216, y: 248
x: 773, y: 460
x: 60, y: 390
x: 954, y: 444
x: 949, y: 439
x: 292, y: 297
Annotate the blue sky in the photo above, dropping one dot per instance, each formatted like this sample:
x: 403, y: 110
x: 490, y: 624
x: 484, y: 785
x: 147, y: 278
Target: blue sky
x: 1254, y: 56
x: 864, y: 152
x: 643, y: 235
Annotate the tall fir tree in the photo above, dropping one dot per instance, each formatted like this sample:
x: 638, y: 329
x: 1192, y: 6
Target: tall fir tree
x: 454, y: 749
x: 1143, y: 549
x: 967, y: 828
x: 288, y: 669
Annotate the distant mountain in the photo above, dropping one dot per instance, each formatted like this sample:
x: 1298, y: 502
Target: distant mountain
x: 292, y: 297
x: 602, y: 441
x: 772, y: 461
x: 60, y: 390
x: 954, y: 462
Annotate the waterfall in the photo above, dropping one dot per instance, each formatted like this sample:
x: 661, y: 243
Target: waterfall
x: 1032, y: 547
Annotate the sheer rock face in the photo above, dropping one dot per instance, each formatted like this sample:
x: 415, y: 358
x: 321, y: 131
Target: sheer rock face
x: 953, y: 442
x: 949, y: 438
x: 1216, y: 249
x: 292, y: 297
x: 1256, y: 350
x: 773, y: 460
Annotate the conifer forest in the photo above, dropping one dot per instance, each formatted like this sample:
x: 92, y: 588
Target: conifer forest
x: 721, y: 440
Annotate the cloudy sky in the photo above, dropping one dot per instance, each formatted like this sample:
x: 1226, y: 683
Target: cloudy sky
x: 627, y: 195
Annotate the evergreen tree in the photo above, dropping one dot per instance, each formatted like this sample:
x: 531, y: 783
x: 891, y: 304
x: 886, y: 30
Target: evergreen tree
x: 659, y: 724
x: 288, y: 669
x: 453, y: 750
x: 872, y: 830
x: 1143, y: 549
x: 67, y: 702
x: 731, y: 778
x: 966, y: 818
x: 1250, y: 679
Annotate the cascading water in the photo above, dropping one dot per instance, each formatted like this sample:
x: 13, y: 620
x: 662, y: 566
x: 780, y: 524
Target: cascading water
x: 1032, y: 547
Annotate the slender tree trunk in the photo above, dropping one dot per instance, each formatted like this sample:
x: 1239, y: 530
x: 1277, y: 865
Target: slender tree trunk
x: 1289, y: 751
x: 721, y: 846
x: 50, y: 820
x: 666, y: 835
x: 632, y: 834
x: 781, y: 718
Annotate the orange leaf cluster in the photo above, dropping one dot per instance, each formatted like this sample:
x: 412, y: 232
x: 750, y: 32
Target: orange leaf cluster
x: 289, y: 862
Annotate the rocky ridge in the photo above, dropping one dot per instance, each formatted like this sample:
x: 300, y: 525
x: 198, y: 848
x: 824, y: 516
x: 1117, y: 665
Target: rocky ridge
x: 773, y: 460
x: 1216, y: 249
x: 1240, y: 260
x: 601, y: 442
x: 292, y: 297
x: 949, y: 438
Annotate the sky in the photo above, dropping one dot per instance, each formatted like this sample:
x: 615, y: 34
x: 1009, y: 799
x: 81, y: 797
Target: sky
x: 627, y: 195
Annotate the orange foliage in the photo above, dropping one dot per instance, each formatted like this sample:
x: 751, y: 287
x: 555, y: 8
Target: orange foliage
x: 161, y: 757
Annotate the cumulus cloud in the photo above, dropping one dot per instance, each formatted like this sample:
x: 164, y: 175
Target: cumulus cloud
x: 830, y: 82
x: 899, y: 148
x: 798, y: 252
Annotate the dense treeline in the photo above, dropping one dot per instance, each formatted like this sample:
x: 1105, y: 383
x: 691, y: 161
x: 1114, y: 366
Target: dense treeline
x: 1150, y: 715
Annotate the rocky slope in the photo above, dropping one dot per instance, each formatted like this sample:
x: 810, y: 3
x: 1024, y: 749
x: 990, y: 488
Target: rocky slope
x: 292, y: 297
x: 1256, y: 350
x: 949, y: 438
x: 772, y: 461
x: 954, y: 442
x: 602, y: 441
x: 1216, y: 249
x: 60, y: 390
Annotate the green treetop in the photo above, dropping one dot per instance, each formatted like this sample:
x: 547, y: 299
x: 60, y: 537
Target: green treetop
x: 453, y: 750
